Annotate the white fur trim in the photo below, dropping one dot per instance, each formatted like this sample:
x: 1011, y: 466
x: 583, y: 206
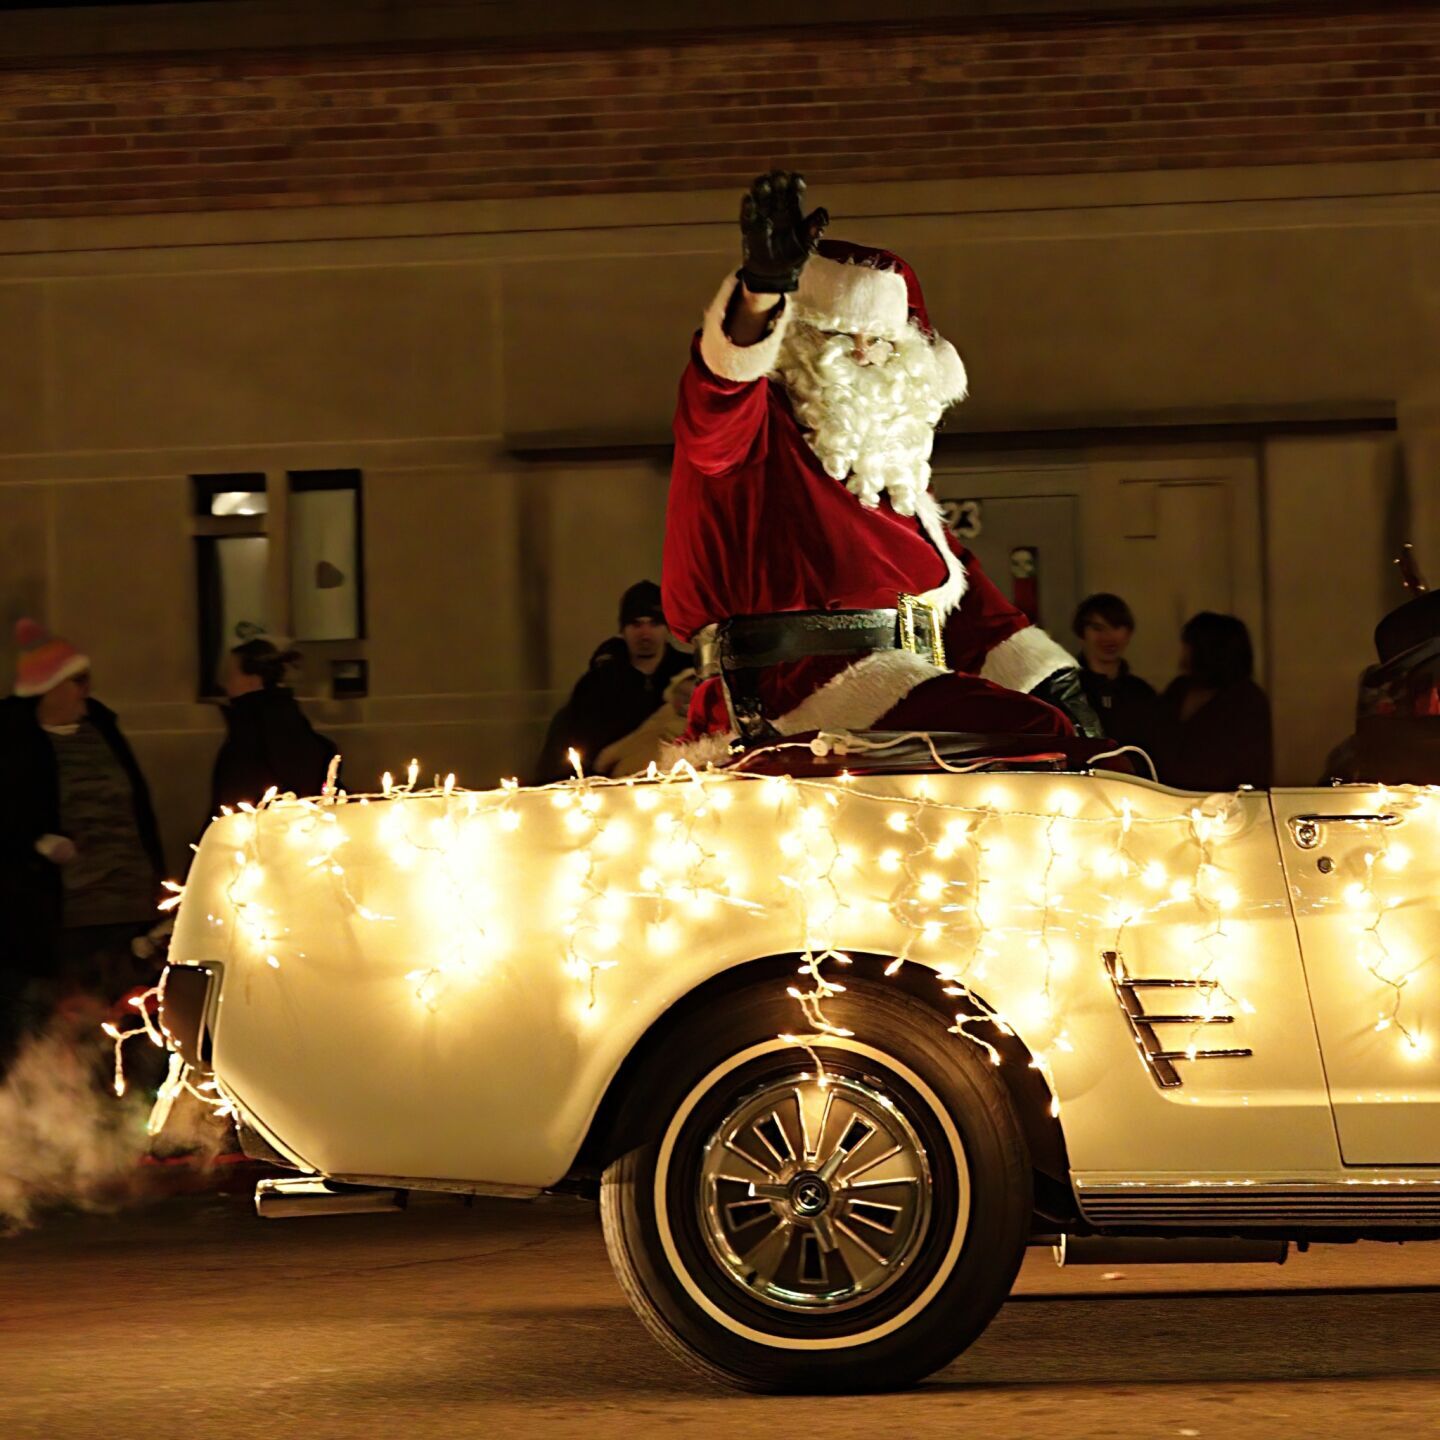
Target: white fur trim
x: 860, y: 694
x: 852, y: 700
x: 947, y: 596
x: 951, y: 378
x: 854, y: 299
x: 726, y: 359
x: 1025, y: 659
x: 75, y: 665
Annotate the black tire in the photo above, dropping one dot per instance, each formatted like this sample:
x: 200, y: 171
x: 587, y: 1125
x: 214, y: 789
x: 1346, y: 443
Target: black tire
x: 964, y: 1249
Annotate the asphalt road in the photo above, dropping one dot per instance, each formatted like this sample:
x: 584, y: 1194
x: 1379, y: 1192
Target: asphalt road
x: 193, y: 1318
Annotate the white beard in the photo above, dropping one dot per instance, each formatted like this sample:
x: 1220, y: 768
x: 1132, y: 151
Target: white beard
x: 871, y: 425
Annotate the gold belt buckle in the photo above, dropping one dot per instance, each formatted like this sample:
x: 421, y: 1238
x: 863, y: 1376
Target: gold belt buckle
x: 920, y: 620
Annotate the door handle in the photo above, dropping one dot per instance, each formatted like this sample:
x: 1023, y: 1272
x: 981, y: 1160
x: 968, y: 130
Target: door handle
x: 1308, y: 830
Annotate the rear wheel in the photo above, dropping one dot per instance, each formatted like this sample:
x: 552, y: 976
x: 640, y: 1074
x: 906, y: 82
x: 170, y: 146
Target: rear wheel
x: 795, y: 1229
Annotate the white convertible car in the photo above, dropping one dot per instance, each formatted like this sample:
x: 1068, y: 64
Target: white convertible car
x: 831, y: 1045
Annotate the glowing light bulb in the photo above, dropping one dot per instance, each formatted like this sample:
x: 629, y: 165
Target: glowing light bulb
x: 1396, y: 857
x: 615, y: 838
x: 664, y: 937
x: 898, y: 821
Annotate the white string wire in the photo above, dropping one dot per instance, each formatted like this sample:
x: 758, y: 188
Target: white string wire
x: 1126, y: 750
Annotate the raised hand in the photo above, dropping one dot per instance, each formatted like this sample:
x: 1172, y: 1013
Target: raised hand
x: 778, y: 237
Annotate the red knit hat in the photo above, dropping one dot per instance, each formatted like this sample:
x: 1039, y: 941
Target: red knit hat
x: 862, y: 290
x: 45, y: 660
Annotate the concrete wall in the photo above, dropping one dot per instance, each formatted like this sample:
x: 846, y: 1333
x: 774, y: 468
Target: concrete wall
x: 1336, y: 515
x: 491, y: 366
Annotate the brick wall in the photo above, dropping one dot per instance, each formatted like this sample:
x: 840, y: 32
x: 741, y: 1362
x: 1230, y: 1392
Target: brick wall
x: 317, y: 127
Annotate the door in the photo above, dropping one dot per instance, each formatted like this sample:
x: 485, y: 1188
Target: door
x: 1028, y: 545
x: 1171, y: 533
x: 1174, y: 535
x: 1363, y: 868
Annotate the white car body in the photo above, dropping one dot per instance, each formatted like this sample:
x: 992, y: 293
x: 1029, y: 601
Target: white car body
x: 437, y: 989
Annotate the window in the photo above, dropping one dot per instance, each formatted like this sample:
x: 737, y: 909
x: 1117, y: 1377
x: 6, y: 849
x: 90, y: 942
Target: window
x: 231, y: 495
x: 232, y: 563
x: 326, y: 597
x: 282, y: 558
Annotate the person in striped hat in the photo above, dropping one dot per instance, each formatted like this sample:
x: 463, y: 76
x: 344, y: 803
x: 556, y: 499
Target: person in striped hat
x: 80, y: 853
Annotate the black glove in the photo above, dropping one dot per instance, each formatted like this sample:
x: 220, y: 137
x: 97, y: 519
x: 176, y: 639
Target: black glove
x: 777, y: 238
x: 1064, y: 691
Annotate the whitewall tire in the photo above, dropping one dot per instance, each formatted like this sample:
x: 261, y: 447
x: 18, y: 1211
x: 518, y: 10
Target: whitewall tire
x: 789, y: 1227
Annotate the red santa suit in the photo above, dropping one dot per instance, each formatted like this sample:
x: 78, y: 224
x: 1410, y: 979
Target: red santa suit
x: 755, y: 525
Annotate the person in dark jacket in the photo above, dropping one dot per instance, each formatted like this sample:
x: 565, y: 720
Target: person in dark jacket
x: 268, y: 740
x: 1125, y: 703
x: 1214, y: 720
x: 80, y: 853
x: 624, y: 685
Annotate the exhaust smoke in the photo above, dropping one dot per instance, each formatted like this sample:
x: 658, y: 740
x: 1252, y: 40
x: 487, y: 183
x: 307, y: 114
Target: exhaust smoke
x: 65, y: 1137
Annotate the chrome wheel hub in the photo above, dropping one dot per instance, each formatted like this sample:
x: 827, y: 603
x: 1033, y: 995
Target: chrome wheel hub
x: 815, y: 1192
x: 809, y: 1195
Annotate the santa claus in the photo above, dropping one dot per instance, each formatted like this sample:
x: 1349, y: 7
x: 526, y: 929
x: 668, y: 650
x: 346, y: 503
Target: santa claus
x: 804, y: 553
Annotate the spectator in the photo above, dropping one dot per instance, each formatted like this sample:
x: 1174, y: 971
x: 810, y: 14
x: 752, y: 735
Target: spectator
x: 1214, y: 720
x: 624, y: 686
x: 1124, y: 702
x: 82, y: 860
x: 268, y: 740
x: 632, y: 753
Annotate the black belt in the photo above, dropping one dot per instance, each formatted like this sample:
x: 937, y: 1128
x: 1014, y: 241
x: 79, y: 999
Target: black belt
x: 739, y: 649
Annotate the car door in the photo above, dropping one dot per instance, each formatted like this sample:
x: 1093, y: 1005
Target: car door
x: 1363, y: 868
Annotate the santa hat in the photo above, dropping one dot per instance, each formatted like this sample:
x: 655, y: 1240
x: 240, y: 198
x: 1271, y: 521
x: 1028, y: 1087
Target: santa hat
x: 45, y: 659
x: 860, y: 290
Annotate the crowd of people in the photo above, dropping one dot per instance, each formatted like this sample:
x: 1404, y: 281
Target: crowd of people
x: 1208, y: 730
x: 81, y: 856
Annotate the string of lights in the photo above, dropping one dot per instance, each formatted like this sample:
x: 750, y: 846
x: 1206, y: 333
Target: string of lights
x: 966, y: 876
